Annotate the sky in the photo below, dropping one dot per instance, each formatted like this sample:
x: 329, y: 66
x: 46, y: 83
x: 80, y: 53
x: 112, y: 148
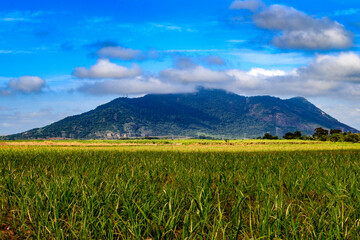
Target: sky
x: 61, y: 58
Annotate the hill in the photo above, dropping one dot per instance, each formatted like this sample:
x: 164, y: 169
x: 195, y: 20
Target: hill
x: 214, y: 113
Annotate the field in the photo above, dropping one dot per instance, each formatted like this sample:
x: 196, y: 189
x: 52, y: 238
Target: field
x: 180, y: 189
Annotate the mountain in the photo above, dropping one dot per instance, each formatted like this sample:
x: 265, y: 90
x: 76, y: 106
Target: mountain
x: 214, y: 113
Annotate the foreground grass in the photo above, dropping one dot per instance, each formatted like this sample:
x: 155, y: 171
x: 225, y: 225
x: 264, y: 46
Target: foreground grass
x: 104, y: 193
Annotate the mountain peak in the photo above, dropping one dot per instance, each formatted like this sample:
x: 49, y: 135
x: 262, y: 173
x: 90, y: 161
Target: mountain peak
x: 209, y: 112
x: 299, y: 99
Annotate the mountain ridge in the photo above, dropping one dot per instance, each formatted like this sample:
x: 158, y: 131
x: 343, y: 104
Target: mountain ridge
x: 207, y: 112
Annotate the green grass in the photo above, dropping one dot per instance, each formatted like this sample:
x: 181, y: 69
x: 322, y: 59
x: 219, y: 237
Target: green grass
x: 89, y: 193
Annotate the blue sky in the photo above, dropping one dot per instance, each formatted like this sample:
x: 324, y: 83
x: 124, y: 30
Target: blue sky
x: 60, y: 58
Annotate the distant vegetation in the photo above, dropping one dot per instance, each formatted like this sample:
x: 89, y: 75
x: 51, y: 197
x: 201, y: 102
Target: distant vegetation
x: 320, y: 134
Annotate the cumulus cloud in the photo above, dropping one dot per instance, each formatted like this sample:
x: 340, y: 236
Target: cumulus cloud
x: 298, y: 30
x: 327, y: 75
x: 257, y: 72
x: 121, y: 53
x: 110, y: 49
x: 298, y: 82
x: 243, y: 80
x: 184, y: 77
x: 258, y: 81
x: 252, y: 5
x: 301, y: 31
x: 297, y: 86
x: 138, y: 85
x: 193, y: 74
x: 106, y: 69
x: 26, y: 84
x: 342, y: 67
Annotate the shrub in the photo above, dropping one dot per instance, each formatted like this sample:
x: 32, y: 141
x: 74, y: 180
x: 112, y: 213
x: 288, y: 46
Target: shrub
x: 307, y: 137
x: 269, y: 136
x: 352, y: 137
x: 335, y: 137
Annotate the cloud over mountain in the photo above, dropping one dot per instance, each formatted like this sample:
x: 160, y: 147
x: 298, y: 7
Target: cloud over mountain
x: 324, y: 76
x: 106, y: 69
x: 195, y: 74
x: 137, y: 85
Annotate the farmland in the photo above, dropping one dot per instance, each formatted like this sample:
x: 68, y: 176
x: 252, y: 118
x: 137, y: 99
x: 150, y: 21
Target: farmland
x: 179, y: 189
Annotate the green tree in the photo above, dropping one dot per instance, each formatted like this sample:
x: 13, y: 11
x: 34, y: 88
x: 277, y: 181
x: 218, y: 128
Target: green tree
x: 321, y: 134
x: 297, y: 135
x: 334, y: 131
x: 307, y: 137
x: 289, y: 135
x: 336, y: 137
x: 269, y: 136
x: 352, y: 137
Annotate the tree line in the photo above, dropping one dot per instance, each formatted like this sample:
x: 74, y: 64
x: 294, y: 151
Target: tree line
x: 320, y: 134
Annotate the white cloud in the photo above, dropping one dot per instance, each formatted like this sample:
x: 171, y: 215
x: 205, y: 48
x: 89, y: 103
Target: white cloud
x: 301, y: 31
x: 252, y: 5
x: 194, y: 74
x: 327, y: 75
x: 258, y: 72
x: 121, y: 53
x: 26, y: 84
x: 244, y: 80
x: 260, y: 81
x: 315, y: 39
x: 105, y: 69
x: 297, y: 86
x: 342, y: 67
x: 337, y: 76
x: 138, y: 85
